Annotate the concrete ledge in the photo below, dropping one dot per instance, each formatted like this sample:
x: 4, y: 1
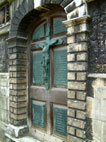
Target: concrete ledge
x: 97, y: 75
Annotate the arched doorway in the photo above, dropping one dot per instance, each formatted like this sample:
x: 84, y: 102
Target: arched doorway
x: 48, y: 77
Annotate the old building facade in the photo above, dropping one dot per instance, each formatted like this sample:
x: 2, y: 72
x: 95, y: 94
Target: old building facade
x: 53, y: 70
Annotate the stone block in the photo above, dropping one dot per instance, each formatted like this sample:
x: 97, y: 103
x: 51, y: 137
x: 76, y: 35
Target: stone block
x: 71, y: 112
x: 17, y: 80
x: 4, y: 91
x: 20, y: 111
x: 78, y: 12
x: 81, y: 96
x: 71, y: 94
x: 77, y: 85
x: 18, y: 86
x: 71, y: 39
x: 18, y: 62
x: 71, y: 57
x: 80, y: 133
x: 77, y: 47
x: 17, y: 92
x: 78, y: 66
x: 81, y: 115
x: 18, y: 99
x: 17, y: 68
x: 71, y: 130
x: 76, y: 123
x: 71, y: 76
x: 18, y: 105
x: 81, y: 76
x: 70, y: 7
x: 74, y: 29
x: 81, y: 37
x: 17, y: 56
x: 82, y: 56
x: 77, y: 104
x: 19, y: 74
x: 18, y: 117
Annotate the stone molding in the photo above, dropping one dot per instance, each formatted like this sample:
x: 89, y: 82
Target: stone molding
x: 97, y: 75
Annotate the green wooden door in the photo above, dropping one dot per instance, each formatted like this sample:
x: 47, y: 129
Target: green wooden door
x: 48, y: 86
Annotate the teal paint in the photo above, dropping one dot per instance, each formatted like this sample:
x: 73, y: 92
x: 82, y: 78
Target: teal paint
x: 37, y: 68
x: 38, y: 110
x: 39, y: 32
x: 46, y: 55
x: 60, y: 120
x: 58, y: 26
x: 60, y: 67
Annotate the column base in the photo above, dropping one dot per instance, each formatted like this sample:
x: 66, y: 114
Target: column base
x: 16, y: 131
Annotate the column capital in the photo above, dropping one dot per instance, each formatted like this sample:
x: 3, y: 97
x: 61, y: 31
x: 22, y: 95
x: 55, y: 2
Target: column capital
x: 76, y: 21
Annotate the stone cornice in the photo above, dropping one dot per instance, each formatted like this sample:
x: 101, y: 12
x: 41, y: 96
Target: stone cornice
x: 74, y: 21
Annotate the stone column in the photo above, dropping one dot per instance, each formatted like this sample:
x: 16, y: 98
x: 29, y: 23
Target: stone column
x: 17, y: 84
x: 77, y: 49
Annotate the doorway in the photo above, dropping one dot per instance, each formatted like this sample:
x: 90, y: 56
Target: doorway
x: 48, y: 77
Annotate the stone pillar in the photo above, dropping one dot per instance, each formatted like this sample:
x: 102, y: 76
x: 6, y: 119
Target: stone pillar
x: 17, y: 83
x: 77, y: 49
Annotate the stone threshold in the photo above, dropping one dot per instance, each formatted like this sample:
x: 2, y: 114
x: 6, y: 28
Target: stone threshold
x: 23, y: 139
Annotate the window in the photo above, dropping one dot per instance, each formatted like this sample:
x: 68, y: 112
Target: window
x: 5, y: 14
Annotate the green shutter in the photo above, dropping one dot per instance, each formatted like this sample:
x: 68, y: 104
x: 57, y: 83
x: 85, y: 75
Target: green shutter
x: 38, y: 110
x: 60, y: 120
x: 60, y: 67
x: 58, y: 26
x: 37, y: 68
x: 39, y: 32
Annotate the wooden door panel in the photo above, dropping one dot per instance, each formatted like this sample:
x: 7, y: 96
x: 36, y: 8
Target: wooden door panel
x: 54, y: 95
x: 48, y: 88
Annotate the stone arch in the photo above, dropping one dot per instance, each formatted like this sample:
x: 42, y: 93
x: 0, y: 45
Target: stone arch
x: 76, y: 24
x: 73, y: 9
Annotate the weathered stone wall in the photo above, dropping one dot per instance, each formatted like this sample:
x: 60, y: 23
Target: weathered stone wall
x: 4, y: 104
x: 96, y: 103
x: 3, y: 54
x: 97, y: 36
x: 96, y: 107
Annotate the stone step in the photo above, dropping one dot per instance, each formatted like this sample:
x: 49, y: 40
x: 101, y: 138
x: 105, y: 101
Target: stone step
x: 27, y: 139
x: 24, y: 139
